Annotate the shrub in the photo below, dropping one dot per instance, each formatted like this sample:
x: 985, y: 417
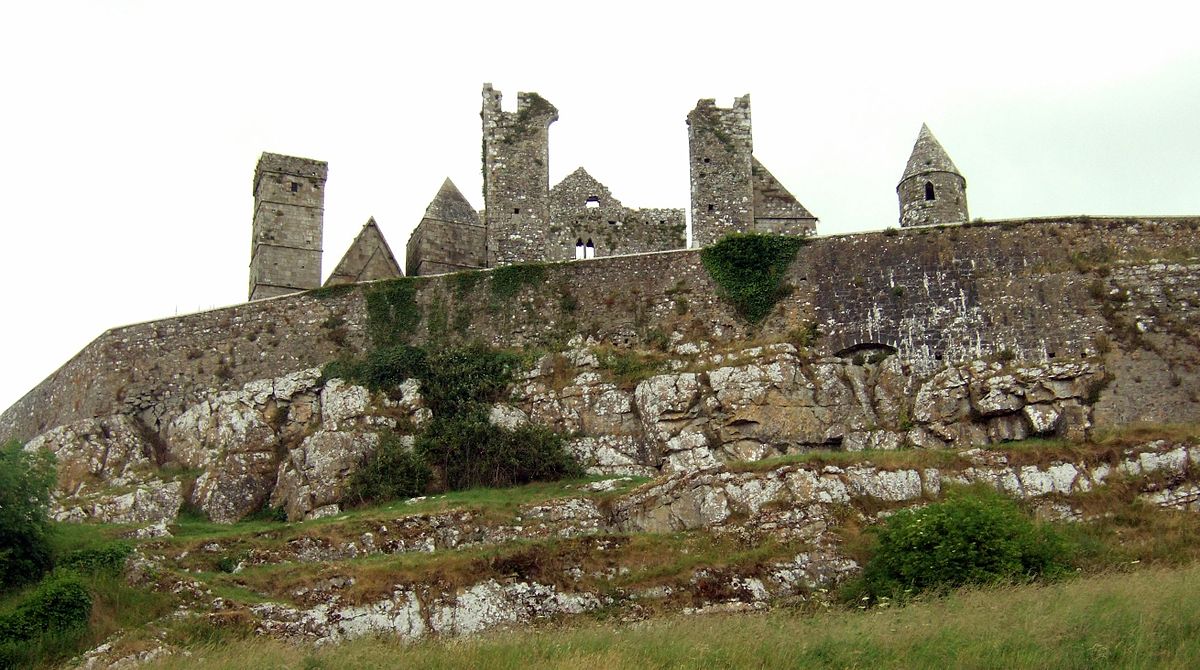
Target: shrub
x: 470, y: 452
x: 749, y: 270
x: 60, y: 603
x: 972, y: 537
x: 107, y: 559
x: 393, y: 471
x: 459, y: 379
x: 25, y: 482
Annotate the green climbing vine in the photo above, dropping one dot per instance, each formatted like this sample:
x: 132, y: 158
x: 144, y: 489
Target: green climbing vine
x: 749, y: 269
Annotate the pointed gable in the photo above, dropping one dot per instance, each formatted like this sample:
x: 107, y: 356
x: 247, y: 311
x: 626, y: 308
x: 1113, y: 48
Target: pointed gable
x: 771, y: 199
x: 368, y: 258
x: 928, y: 156
x: 577, y: 188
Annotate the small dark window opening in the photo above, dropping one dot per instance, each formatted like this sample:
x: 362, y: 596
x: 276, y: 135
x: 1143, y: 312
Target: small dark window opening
x: 706, y: 160
x: 592, y: 202
x: 612, y: 223
x: 711, y: 207
x: 516, y: 210
x: 662, y: 222
x: 295, y: 187
x: 928, y: 190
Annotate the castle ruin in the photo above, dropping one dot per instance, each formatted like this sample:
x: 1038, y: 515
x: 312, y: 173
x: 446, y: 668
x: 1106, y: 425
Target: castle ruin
x: 523, y: 219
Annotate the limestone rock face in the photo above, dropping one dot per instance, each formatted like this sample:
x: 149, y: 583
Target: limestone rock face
x: 294, y: 441
x: 154, y: 501
x: 314, y: 475
x: 769, y: 401
x: 92, y: 453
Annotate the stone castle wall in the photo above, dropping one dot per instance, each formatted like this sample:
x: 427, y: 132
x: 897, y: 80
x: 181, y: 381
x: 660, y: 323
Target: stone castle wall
x: 612, y: 228
x: 1029, y: 290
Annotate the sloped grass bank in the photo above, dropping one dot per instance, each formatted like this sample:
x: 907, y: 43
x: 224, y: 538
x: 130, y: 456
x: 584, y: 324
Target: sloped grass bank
x: 1148, y: 619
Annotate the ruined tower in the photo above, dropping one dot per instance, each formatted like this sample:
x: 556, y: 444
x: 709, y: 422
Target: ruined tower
x: 516, y: 176
x: 289, y: 207
x: 932, y: 191
x: 720, y: 146
x: 449, y: 238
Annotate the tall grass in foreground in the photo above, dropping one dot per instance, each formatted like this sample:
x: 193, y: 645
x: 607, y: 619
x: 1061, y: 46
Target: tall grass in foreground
x: 1147, y: 619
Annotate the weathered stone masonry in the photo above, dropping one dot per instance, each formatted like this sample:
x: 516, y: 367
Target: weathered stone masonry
x: 289, y: 209
x: 956, y: 294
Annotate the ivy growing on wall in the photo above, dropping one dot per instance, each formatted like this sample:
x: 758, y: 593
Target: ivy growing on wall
x: 392, y: 311
x: 508, y: 280
x: 749, y: 269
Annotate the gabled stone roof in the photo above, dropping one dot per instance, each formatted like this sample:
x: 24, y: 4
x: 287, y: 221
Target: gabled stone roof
x: 368, y: 258
x: 928, y: 156
x: 771, y: 199
x: 579, y: 185
x: 452, y: 206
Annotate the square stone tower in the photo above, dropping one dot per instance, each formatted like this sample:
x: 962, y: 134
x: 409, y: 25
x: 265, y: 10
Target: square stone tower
x: 516, y: 177
x: 720, y: 147
x: 289, y: 211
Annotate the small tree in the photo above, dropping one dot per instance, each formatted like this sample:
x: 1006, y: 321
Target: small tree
x: 26, y: 479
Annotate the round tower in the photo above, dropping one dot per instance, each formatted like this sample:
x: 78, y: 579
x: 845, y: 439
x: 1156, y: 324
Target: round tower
x: 932, y: 191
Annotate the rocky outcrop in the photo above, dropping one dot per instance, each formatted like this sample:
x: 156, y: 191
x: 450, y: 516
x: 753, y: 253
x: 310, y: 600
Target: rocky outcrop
x: 805, y: 492
x: 769, y: 401
x: 294, y: 441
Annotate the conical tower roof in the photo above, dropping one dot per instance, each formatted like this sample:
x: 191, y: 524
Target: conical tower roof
x: 928, y: 156
x: 451, y: 205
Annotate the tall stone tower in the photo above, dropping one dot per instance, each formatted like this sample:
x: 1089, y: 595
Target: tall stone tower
x: 720, y: 146
x: 932, y: 191
x: 516, y: 177
x: 289, y: 210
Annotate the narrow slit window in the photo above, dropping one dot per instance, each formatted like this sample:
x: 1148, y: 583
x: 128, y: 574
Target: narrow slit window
x: 578, y: 249
x: 516, y: 210
x: 295, y: 187
x: 589, y: 251
x: 929, y: 190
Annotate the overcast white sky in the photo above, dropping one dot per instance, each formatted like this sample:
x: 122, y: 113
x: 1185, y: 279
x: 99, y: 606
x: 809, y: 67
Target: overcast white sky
x: 129, y: 131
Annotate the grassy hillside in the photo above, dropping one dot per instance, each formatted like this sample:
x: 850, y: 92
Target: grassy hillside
x: 1146, y: 619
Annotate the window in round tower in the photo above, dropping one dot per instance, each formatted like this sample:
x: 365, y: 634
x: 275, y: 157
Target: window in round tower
x: 929, y: 190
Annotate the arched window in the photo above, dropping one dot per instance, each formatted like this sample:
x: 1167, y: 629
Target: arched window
x: 579, y: 248
x: 592, y: 202
x: 929, y: 190
x: 589, y: 251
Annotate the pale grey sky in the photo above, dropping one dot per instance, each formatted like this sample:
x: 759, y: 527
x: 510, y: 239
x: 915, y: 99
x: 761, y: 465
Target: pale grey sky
x: 131, y: 129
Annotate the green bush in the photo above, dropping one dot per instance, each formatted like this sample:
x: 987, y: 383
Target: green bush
x: 471, y: 452
x: 749, y: 270
x: 460, y: 380
x: 973, y: 537
x: 392, y: 472
x: 25, y: 483
x: 108, y: 559
x: 60, y: 603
